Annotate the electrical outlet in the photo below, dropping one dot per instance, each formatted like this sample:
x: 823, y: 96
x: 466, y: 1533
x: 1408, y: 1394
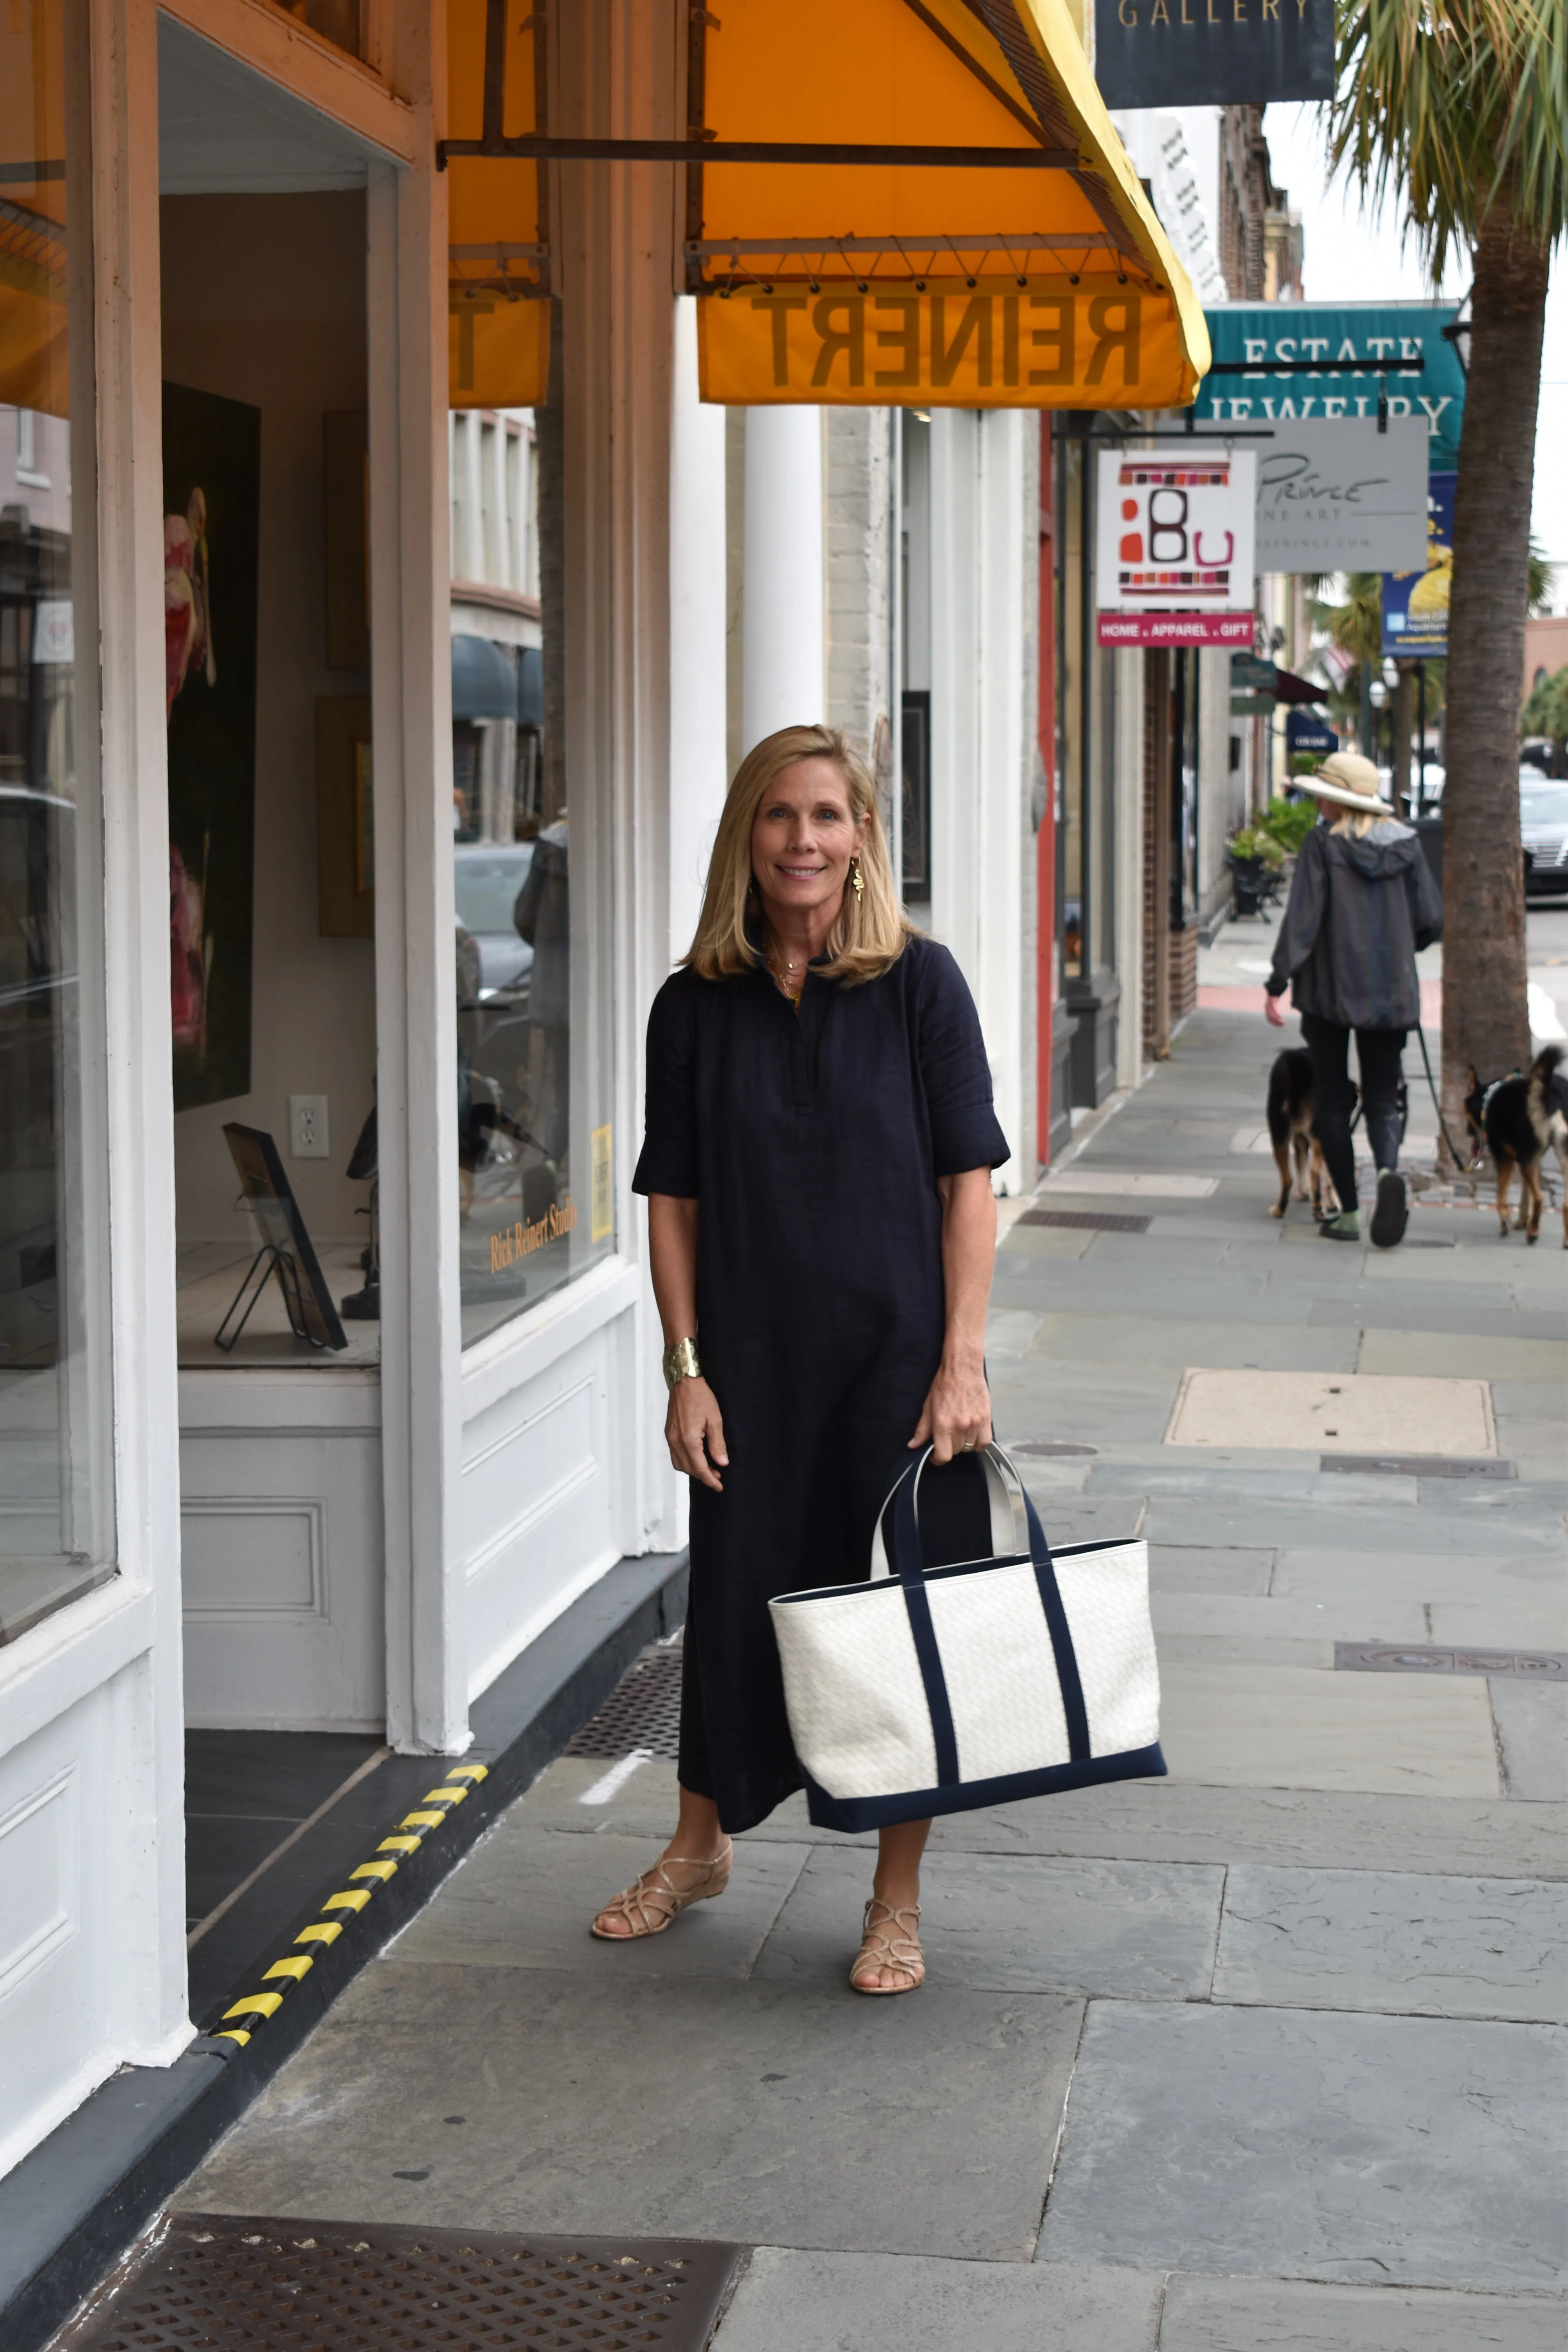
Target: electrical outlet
x: 308, y: 1137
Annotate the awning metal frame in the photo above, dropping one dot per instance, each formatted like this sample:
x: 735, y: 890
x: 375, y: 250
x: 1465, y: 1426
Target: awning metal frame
x: 1056, y: 150
x: 531, y: 148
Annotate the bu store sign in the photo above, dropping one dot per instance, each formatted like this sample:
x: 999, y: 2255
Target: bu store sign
x: 963, y: 344
x: 1174, y: 546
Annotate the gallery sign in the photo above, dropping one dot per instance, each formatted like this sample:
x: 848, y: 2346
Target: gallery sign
x: 1212, y: 52
x: 1174, y: 546
x: 1342, y: 497
x: 1415, y: 603
x: 1285, y: 355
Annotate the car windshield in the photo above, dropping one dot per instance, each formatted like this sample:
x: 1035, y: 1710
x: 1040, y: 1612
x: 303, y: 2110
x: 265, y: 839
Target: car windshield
x: 1543, y: 803
x: 488, y: 883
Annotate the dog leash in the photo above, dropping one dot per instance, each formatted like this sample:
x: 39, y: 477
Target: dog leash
x: 1432, y: 1091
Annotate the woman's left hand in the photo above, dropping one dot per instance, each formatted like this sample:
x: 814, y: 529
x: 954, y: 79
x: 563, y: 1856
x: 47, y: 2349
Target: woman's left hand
x: 956, y: 1416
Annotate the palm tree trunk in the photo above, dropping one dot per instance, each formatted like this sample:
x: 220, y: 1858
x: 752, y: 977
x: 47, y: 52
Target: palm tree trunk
x: 1485, y: 1022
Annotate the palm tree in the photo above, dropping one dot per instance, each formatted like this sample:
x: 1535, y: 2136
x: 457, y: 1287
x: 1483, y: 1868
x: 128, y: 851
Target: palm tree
x: 1461, y: 107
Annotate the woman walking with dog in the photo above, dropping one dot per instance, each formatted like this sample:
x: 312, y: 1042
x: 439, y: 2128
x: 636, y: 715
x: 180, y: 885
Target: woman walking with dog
x: 1362, y: 905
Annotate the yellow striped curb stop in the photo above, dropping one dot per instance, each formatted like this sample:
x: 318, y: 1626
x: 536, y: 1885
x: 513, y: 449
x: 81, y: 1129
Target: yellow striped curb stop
x: 407, y: 1837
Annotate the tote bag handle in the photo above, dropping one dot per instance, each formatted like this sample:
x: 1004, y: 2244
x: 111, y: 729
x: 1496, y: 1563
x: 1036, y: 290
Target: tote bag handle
x: 1015, y: 1529
x: 908, y: 1565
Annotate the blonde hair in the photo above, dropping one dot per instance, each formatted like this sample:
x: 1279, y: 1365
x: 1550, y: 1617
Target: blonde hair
x: 867, y: 938
x: 1353, y: 823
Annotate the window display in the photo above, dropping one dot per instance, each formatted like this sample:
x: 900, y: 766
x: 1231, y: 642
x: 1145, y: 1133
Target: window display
x: 534, y: 1161
x: 55, y: 1521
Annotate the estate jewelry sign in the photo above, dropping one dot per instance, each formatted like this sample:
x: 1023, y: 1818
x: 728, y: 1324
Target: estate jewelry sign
x: 1173, y: 539
x: 1342, y: 497
x: 1286, y: 353
x: 1212, y: 52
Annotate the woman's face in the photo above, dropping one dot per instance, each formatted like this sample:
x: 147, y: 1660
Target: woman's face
x: 804, y: 836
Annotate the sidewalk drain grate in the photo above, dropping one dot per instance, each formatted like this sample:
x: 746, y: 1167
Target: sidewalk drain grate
x: 223, y: 2282
x: 642, y: 1711
x: 1420, y: 1465
x: 1085, y: 1220
x: 1046, y: 1449
x: 1431, y: 1658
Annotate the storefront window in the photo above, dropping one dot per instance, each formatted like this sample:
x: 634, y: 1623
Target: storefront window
x: 535, y: 1174
x: 54, y: 1532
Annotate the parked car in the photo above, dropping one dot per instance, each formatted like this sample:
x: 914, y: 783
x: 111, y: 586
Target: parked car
x: 1543, y: 829
x: 488, y: 876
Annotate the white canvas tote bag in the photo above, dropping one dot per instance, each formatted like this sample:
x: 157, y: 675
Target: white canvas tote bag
x: 931, y: 1692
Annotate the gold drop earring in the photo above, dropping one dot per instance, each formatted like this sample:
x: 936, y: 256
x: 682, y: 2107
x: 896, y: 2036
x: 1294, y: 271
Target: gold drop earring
x: 857, y: 879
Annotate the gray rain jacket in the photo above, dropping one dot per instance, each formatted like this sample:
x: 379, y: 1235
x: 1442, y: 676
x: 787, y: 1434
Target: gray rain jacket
x: 1359, y: 910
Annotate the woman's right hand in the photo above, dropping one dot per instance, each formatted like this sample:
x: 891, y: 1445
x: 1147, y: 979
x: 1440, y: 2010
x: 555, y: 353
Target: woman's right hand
x: 694, y: 1430
x: 1272, y: 1013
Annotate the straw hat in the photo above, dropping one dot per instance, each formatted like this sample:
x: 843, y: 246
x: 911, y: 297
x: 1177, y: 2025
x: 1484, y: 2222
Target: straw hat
x: 1348, y: 782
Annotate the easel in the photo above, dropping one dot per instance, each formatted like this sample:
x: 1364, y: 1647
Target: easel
x: 271, y: 1260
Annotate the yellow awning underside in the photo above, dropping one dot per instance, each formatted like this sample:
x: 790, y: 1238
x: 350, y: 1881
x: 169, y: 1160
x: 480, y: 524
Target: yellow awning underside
x: 498, y: 336
x: 947, y: 274
x: 34, y: 371
x: 930, y: 285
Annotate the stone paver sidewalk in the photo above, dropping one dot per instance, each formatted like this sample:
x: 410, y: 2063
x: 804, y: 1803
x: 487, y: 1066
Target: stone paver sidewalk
x: 1269, y: 2054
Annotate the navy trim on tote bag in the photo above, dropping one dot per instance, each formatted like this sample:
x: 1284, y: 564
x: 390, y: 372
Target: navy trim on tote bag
x: 853, y: 1814
x: 907, y: 1561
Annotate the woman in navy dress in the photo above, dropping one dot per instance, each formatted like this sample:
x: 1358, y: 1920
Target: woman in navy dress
x: 817, y: 1158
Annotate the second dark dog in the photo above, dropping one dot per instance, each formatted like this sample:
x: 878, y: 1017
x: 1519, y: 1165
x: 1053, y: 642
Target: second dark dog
x: 1520, y: 1118
x: 1292, y: 1132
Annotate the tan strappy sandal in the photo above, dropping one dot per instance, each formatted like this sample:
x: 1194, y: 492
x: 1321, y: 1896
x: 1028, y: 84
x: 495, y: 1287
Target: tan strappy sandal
x: 899, y: 1948
x: 649, y: 1904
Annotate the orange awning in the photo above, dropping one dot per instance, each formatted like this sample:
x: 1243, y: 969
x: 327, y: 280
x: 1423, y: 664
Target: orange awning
x: 497, y: 346
x: 888, y: 202
x: 33, y: 356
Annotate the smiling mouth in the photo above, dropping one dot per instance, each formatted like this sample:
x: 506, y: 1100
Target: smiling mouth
x: 804, y: 873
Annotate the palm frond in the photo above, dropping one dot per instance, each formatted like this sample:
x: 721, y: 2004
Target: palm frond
x: 1455, y: 105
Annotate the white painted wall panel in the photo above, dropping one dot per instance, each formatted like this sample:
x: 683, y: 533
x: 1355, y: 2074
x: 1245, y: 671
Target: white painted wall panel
x: 536, y: 1502
x: 62, y: 1813
x: 283, y: 1559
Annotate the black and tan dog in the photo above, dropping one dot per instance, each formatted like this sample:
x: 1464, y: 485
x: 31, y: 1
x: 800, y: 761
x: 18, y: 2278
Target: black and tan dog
x: 1520, y: 1118
x: 1291, y: 1132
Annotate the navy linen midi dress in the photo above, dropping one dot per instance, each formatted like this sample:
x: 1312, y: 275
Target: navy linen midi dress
x: 813, y: 1141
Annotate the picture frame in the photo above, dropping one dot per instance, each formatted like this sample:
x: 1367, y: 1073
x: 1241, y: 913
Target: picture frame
x: 286, y: 1246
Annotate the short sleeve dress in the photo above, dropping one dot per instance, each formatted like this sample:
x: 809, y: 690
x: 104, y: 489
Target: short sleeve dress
x: 812, y: 1140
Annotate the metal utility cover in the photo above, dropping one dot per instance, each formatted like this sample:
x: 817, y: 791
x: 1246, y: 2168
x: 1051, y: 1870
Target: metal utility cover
x: 1137, y: 1184
x: 1418, y: 1465
x: 643, y: 1711
x: 221, y: 2282
x: 1436, y: 1658
x: 1094, y: 1221
x: 1367, y: 1413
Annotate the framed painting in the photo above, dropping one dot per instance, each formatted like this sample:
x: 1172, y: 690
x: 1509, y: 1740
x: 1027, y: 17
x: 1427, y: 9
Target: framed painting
x: 212, y: 476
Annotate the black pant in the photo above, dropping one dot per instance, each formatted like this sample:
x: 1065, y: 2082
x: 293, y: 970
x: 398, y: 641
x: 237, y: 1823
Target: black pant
x: 1378, y: 1051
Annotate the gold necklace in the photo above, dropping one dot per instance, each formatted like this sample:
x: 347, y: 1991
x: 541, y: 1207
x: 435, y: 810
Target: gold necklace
x: 794, y: 994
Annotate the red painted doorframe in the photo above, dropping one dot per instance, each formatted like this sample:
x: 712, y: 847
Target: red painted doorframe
x: 1046, y: 838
